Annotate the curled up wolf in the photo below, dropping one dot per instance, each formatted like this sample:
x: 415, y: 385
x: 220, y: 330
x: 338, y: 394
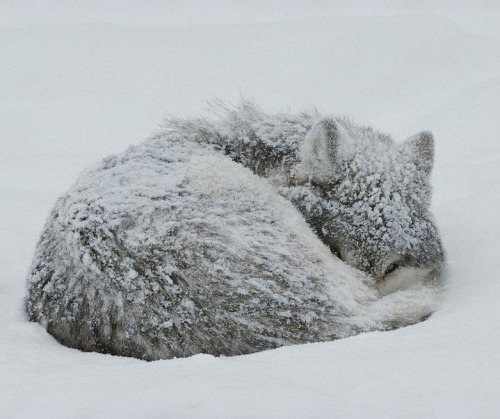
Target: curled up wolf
x: 240, y: 234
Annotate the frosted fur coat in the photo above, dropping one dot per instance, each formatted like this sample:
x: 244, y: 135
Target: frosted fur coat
x: 235, y: 236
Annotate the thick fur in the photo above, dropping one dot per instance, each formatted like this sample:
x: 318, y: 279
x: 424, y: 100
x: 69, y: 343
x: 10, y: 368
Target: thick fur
x: 365, y: 196
x: 175, y: 247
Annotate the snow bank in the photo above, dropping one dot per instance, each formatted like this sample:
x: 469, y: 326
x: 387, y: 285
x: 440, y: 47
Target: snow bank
x: 389, y: 72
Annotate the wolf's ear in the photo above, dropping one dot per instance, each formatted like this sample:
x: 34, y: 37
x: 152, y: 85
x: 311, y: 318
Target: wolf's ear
x: 419, y: 149
x: 319, y: 153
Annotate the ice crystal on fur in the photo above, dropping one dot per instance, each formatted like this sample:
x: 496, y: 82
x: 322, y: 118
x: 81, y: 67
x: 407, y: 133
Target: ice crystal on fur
x: 365, y: 196
x: 175, y: 247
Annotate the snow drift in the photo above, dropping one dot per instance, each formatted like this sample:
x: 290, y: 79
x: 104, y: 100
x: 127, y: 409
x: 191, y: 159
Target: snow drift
x: 72, y: 94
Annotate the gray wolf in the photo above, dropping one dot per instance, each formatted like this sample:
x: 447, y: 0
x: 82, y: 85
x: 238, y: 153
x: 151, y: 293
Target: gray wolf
x: 242, y: 234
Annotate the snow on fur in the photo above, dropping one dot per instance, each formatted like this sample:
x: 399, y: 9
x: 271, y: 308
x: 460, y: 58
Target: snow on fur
x: 175, y: 247
x: 365, y: 196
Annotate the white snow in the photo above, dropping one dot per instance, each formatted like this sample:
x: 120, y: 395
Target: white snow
x: 74, y: 93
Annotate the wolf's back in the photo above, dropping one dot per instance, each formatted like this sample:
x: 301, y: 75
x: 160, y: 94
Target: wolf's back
x: 164, y: 252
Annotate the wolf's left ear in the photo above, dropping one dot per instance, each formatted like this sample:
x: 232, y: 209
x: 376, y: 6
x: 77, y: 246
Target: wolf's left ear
x: 419, y: 149
x: 319, y: 153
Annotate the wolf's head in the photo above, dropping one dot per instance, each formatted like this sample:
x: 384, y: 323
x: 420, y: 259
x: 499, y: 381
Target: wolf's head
x: 368, y: 199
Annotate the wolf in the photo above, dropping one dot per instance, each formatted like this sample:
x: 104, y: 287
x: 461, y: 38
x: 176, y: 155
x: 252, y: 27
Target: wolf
x: 237, y: 235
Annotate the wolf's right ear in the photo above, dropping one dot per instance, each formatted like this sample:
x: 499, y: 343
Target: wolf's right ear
x: 419, y: 150
x: 319, y: 153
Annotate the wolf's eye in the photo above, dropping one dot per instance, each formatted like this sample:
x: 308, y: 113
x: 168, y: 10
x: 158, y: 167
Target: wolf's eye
x: 391, y: 268
x: 335, y: 250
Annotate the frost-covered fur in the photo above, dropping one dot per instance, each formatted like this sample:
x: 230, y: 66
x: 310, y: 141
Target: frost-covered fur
x: 365, y: 196
x: 175, y: 247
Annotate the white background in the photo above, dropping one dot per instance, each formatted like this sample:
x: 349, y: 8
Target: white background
x: 80, y: 80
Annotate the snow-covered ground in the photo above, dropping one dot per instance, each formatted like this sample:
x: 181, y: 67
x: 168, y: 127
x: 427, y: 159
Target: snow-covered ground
x: 71, y: 93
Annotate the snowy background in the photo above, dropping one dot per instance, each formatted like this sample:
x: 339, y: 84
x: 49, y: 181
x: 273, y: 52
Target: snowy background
x: 80, y: 81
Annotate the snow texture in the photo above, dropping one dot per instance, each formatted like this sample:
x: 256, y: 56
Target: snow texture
x: 172, y: 249
x: 92, y: 84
